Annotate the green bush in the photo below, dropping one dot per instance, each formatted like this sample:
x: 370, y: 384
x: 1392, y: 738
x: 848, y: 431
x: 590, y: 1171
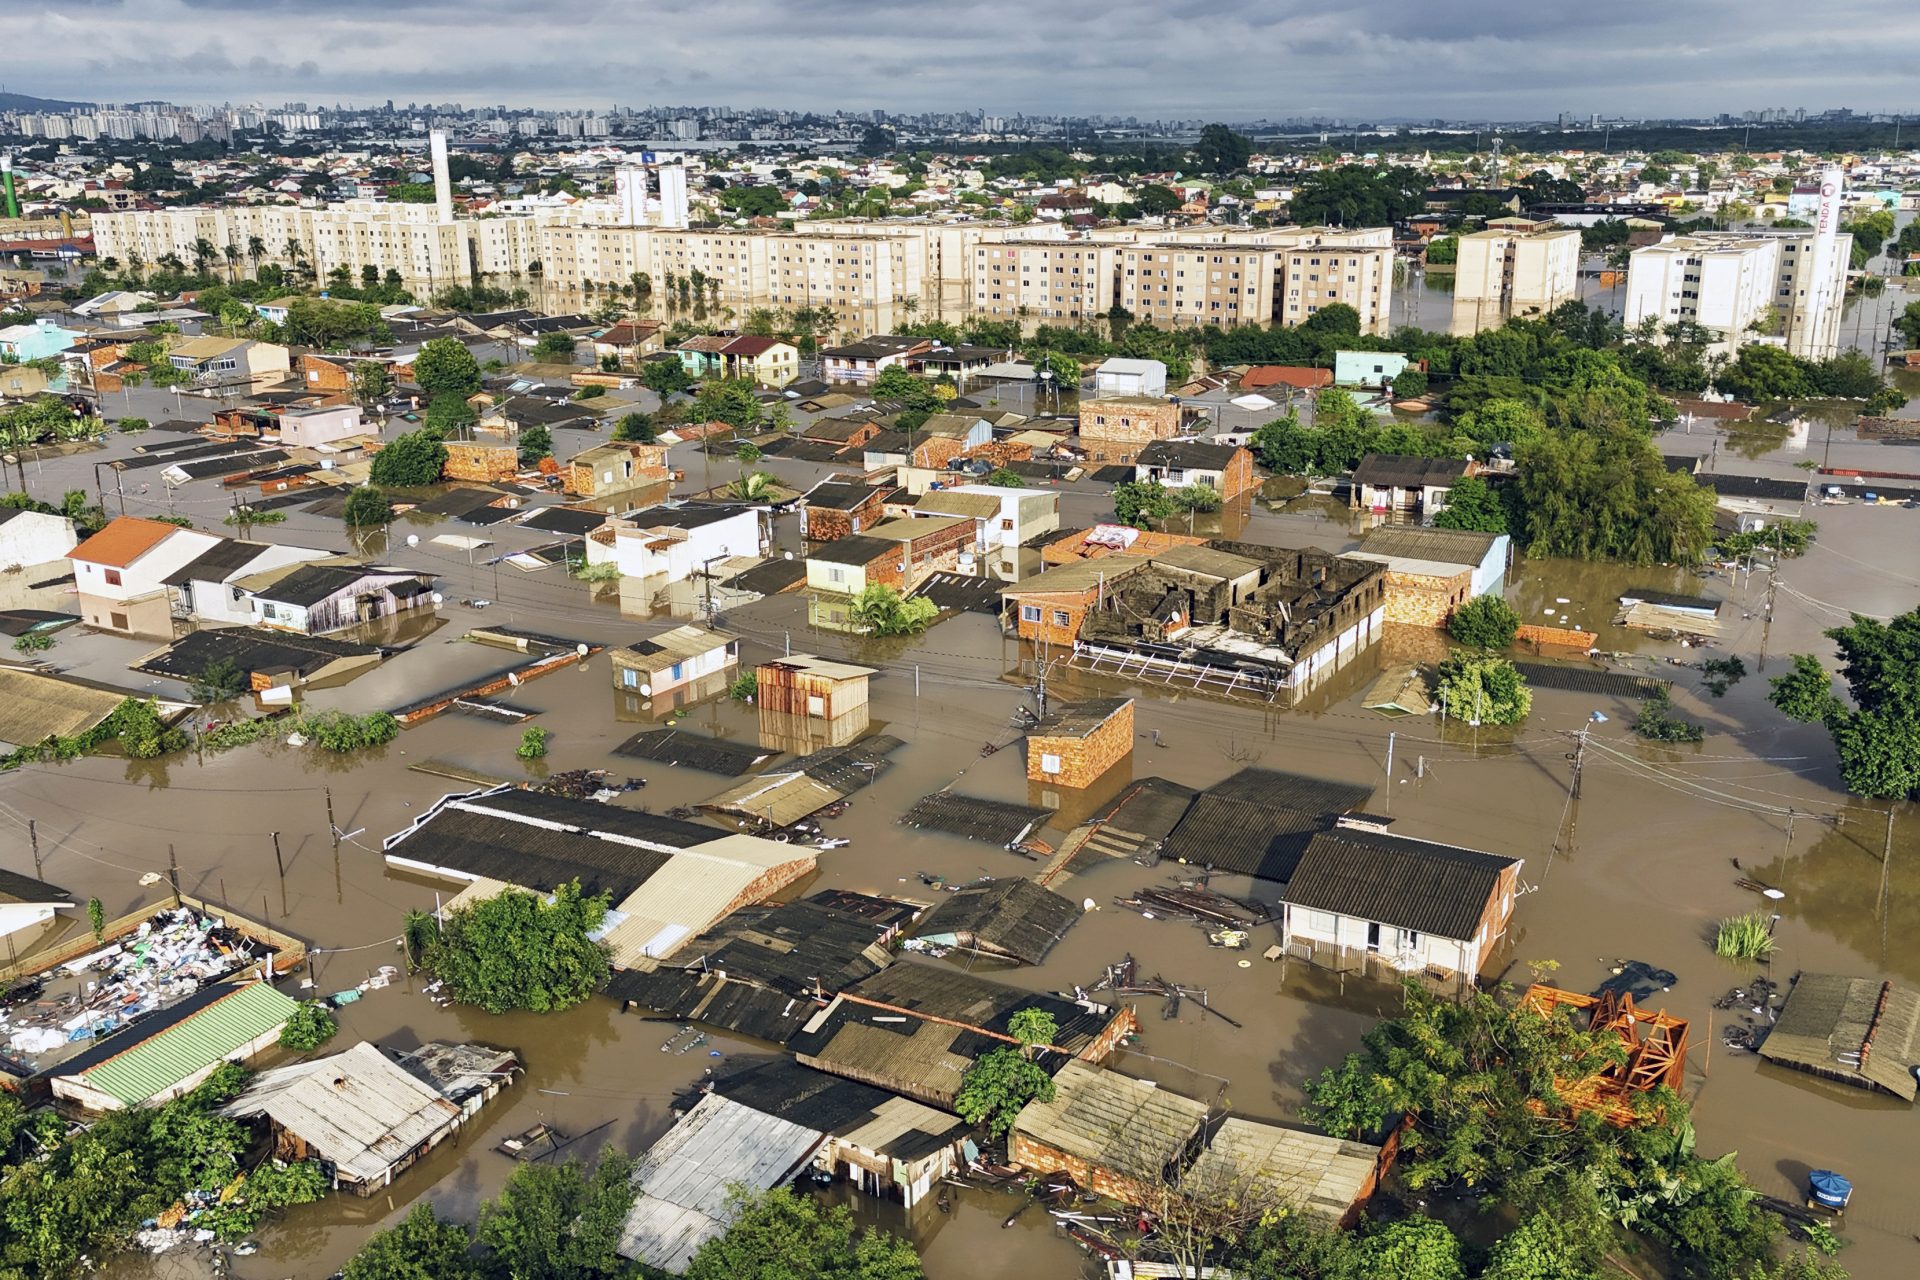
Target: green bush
x: 745, y: 687
x: 33, y: 642
x: 1484, y: 622
x: 310, y: 1027
x: 1744, y: 937
x: 533, y: 744
x: 1483, y: 688
x: 1657, y: 722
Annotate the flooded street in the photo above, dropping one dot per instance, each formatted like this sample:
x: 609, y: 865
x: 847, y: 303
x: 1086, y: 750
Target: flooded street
x: 1639, y: 868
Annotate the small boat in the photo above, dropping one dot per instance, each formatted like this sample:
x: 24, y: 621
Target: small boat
x: 1829, y: 1191
x: 531, y: 1142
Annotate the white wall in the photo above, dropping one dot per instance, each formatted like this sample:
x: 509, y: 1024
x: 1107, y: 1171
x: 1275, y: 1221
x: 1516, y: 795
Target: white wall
x: 33, y: 537
x: 736, y: 535
x: 148, y: 573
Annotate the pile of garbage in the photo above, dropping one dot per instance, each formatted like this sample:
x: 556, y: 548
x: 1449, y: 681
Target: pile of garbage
x: 170, y: 956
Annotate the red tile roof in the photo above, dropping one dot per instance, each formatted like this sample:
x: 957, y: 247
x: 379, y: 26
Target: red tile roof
x: 123, y: 541
x: 1290, y: 375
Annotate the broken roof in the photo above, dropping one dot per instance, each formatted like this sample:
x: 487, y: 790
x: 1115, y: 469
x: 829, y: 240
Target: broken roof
x: 250, y: 649
x: 1437, y: 889
x: 1444, y: 546
x: 714, y: 1000
x: 1209, y: 562
x: 795, y: 947
x: 859, y: 1114
x: 1308, y: 1172
x: 1012, y: 917
x: 694, y: 751
x: 1189, y: 455
x: 976, y: 818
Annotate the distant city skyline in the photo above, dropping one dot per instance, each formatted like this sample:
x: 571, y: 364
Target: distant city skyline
x: 1191, y: 60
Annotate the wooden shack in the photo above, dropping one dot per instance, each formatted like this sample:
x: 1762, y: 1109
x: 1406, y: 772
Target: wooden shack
x: 1076, y: 743
x: 805, y: 685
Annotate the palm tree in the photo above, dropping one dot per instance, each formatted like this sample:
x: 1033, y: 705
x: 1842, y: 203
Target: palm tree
x: 110, y: 264
x: 256, y: 250
x: 174, y: 263
x: 642, y: 284
x: 203, y: 255
x: 232, y: 253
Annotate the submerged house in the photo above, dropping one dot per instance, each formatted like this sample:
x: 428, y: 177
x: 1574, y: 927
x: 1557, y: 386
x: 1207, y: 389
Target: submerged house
x: 1368, y: 900
x: 1011, y: 919
x: 1114, y: 1135
x: 320, y: 597
x: 672, y: 659
x: 1858, y: 1031
x: 367, y: 1116
x: 167, y: 1053
x: 27, y: 903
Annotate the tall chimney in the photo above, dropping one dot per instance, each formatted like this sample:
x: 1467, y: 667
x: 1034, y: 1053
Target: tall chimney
x: 673, y: 195
x: 1829, y: 275
x: 442, y: 184
x: 6, y: 182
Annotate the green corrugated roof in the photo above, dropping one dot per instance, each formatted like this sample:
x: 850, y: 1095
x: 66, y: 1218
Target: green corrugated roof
x: 200, y: 1041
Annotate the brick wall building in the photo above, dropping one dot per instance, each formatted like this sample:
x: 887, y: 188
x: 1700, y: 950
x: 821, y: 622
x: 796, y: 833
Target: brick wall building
x: 1049, y: 608
x: 1117, y: 428
x: 471, y: 460
x: 1076, y: 744
x: 837, y: 508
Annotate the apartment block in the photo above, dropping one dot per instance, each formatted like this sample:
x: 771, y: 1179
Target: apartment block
x: 1744, y: 287
x: 1516, y: 267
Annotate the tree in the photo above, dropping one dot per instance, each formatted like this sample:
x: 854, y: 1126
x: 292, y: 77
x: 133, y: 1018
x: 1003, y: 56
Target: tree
x: 1484, y: 622
x: 1472, y: 504
x: 558, y: 1222
x: 637, y: 428
x: 1005, y: 478
x: 366, y: 508
x: 1141, y: 502
x: 1483, y: 690
x: 536, y: 442
x: 997, y: 1085
x: 884, y: 612
x: 780, y: 1235
x: 1907, y: 323
x: 517, y: 950
x: 444, y: 366
x: 728, y: 400
x: 754, y: 201
x: 746, y: 453
x: 533, y: 744
x: 308, y: 1028
x: 97, y: 921
x: 1570, y: 1241
x: 1033, y: 1027
x: 1411, y: 1249
x: 217, y: 682
x: 449, y: 416
x: 1221, y: 150
x: 414, y: 459
x: 421, y: 1248
x: 876, y: 141
x: 372, y: 382
x: 555, y: 346
x: 1878, y: 738
x: 665, y: 377
x: 1604, y: 493
x: 1357, y: 196
x: 1411, y: 383
x: 1443, y: 251
x: 1194, y: 498
x: 1156, y: 201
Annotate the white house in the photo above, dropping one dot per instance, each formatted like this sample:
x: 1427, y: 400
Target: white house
x: 207, y: 589
x: 1367, y: 368
x: 120, y: 574
x: 1121, y: 376
x: 662, y: 663
x: 1363, y: 899
x: 314, y: 598
x: 1018, y: 515
x: 318, y: 425
x: 28, y: 538
x: 675, y: 541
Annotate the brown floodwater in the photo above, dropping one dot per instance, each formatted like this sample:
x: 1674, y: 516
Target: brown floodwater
x: 1640, y: 868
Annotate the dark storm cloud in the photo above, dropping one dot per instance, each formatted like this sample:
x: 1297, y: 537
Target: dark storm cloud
x: 1229, y: 58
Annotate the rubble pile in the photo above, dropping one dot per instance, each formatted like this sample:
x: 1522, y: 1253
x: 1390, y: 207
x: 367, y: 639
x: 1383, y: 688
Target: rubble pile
x: 170, y: 956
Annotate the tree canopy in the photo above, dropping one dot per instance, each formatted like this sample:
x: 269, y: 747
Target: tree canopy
x: 1483, y: 690
x: 517, y: 950
x: 884, y: 612
x: 997, y: 1085
x: 1878, y: 737
x: 444, y: 366
x: 1484, y: 622
x: 780, y: 1235
x: 416, y: 458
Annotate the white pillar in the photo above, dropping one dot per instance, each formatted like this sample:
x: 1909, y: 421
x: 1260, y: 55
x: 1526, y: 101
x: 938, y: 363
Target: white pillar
x: 442, y: 183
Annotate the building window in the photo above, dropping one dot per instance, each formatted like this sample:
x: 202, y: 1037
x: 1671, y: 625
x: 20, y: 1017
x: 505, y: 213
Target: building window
x: 816, y: 705
x: 113, y: 577
x: 1061, y: 618
x: 630, y: 678
x: 1049, y: 762
x: 1029, y: 613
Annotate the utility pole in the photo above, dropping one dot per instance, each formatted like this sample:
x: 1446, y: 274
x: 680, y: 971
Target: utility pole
x: 1886, y: 871
x: 33, y: 838
x: 1766, y: 623
x: 1579, y: 759
x: 278, y: 864
x: 333, y: 828
x: 173, y: 874
x: 1390, y: 737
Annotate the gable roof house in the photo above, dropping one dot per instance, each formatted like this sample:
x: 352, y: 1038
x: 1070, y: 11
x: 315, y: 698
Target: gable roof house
x: 861, y: 362
x: 1432, y: 572
x: 771, y: 362
x: 659, y: 664
x: 1259, y: 822
x: 676, y: 541
x: 1364, y: 899
x: 1398, y: 482
x: 27, y: 903
x: 1009, y: 919
x: 320, y: 597
x: 367, y: 1116
x: 615, y: 467
x: 838, y: 507
x: 213, y: 361
x: 120, y: 574
x: 1116, y: 1136
x: 1224, y: 468
x: 166, y: 1054
x: 1859, y: 1031
x: 203, y: 588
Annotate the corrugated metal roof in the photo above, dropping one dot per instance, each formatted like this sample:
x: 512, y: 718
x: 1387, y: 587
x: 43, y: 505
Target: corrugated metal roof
x: 1410, y: 884
x: 164, y: 1060
x: 1308, y: 1171
x: 358, y: 1109
x: 686, y: 1179
x: 695, y: 889
x: 1859, y: 1029
x: 1119, y: 1124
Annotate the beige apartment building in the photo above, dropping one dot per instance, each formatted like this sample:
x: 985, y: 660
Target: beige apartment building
x: 1179, y: 276
x: 1516, y: 267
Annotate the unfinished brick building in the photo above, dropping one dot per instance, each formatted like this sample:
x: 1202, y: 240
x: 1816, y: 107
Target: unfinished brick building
x: 1074, y: 745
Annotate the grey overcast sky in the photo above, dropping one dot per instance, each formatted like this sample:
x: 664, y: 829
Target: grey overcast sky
x: 1226, y: 59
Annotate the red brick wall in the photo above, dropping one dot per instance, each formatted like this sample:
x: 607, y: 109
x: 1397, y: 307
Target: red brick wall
x: 1049, y: 630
